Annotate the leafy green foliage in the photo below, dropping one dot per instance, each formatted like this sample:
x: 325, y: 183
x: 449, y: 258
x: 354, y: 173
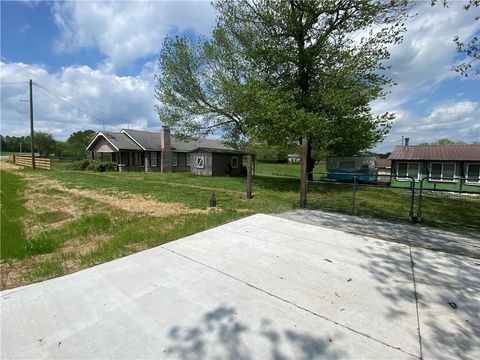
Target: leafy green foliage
x: 44, y: 143
x: 78, y: 141
x: 276, y: 71
x: 92, y: 165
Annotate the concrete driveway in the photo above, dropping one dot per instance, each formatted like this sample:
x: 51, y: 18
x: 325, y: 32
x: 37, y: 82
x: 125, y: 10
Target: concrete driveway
x: 259, y: 288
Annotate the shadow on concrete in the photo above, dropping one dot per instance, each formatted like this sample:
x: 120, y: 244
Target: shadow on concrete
x: 447, y: 289
x: 413, y: 235
x: 220, y: 334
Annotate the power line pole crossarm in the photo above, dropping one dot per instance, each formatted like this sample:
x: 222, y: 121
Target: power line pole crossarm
x: 32, y: 142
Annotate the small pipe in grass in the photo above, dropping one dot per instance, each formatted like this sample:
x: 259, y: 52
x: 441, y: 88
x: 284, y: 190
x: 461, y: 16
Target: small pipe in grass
x: 213, y: 200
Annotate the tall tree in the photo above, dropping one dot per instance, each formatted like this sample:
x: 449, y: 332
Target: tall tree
x: 44, y: 143
x: 277, y: 71
x: 78, y: 141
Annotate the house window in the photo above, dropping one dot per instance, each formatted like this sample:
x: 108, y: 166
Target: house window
x: 405, y: 170
x: 136, y: 158
x: 442, y: 172
x: 473, y: 173
x: 200, y: 162
x: 174, y: 159
x: 234, y: 162
x: 153, y: 159
x: 187, y: 160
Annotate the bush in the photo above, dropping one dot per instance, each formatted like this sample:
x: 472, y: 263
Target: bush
x: 93, y: 165
x: 80, y: 165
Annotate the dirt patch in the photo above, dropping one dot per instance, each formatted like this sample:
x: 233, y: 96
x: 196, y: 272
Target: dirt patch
x: 8, y: 166
x: 124, y: 201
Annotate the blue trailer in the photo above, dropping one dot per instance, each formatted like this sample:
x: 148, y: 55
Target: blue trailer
x: 346, y: 168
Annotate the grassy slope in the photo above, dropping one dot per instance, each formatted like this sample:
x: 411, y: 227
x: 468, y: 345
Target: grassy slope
x: 12, y: 210
x: 108, y: 233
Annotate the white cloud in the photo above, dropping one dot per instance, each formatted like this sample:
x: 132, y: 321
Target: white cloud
x: 420, y: 65
x: 119, y: 101
x: 427, y: 54
x: 125, y: 31
x: 457, y: 121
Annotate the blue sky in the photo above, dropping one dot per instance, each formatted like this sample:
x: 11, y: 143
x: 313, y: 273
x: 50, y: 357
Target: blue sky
x: 101, y: 57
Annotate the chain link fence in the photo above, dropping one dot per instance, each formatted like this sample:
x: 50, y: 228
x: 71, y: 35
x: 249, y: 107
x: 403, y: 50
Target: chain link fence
x: 413, y: 202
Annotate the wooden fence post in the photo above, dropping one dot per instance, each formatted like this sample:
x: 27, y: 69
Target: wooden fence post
x: 249, y: 175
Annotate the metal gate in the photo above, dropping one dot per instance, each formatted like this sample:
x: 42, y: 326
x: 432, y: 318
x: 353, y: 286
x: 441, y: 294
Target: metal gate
x: 416, y: 202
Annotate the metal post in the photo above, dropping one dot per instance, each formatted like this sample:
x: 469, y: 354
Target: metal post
x: 354, y: 194
x: 303, y: 175
x: 412, y: 200
x: 420, y: 199
x: 249, y: 175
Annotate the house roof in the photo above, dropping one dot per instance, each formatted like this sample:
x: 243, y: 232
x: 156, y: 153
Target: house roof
x: 147, y: 140
x: 118, y: 140
x: 450, y: 152
x: 223, y: 151
x: 191, y: 145
x: 129, y: 139
x: 151, y: 141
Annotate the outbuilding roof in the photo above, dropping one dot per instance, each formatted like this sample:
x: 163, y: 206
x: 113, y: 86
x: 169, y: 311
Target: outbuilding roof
x: 450, y: 152
x: 223, y: 151
x: 191, y: 145
x: 383, y: 163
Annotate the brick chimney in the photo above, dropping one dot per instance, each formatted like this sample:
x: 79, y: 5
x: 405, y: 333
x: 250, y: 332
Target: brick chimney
x: 166, y: 145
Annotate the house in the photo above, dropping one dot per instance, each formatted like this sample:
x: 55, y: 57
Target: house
x: 384, y: 166
x: 453, y: 167
x: 135, y: 150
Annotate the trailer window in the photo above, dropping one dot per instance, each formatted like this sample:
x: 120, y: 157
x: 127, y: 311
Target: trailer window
x: 405, y: 170
x: 442, y: 172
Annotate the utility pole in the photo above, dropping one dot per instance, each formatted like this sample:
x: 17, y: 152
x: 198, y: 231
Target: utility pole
x: 32, y: 142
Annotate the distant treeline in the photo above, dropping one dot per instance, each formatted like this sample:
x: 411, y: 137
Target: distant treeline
x: 46, y: 145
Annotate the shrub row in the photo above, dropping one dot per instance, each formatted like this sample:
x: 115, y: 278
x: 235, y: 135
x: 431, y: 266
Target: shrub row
x: 93, y: 165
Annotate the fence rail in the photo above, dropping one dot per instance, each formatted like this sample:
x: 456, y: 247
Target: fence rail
x: 415, y: 202
x: 43, y: 163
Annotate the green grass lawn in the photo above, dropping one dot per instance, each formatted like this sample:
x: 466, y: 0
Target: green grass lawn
x: 66, y: 231
x: 55, y: 222
x: 287, y: 170
x: 12, y: 210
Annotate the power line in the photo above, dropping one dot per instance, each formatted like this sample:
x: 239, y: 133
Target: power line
x: 78, y: 107
x: 83, y: 106
x: 13, y: 83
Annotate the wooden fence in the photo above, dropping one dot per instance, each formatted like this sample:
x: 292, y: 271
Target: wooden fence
x: 43, y: 163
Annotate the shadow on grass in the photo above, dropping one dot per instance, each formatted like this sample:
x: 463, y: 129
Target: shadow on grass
x: 219, y: 334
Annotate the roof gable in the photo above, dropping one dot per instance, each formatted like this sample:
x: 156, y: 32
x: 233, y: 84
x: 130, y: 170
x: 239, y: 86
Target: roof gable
x: 152, y: 141
x: 450, y: 152
x: 118, y: 140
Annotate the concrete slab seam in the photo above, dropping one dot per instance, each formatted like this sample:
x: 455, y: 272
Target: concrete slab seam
x: 416, y: 302
x: 293, y: 304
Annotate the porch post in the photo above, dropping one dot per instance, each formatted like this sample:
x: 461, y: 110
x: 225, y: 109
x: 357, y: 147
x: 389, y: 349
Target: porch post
x: 146, y: 162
